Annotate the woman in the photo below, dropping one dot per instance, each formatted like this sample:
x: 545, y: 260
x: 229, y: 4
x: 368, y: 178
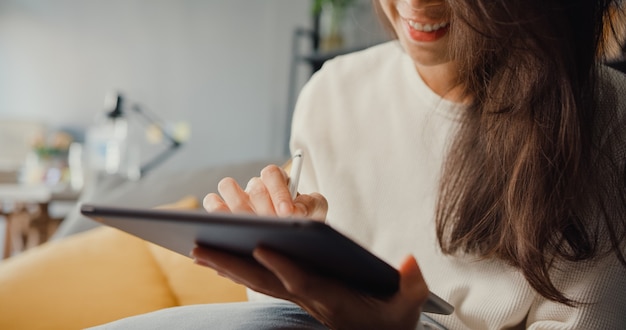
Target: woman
x: 487, y: 144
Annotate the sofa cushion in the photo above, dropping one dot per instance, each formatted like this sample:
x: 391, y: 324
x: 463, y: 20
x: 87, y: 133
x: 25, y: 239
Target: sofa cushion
x: 84, y: 280
x: 192, y: 284
x: 102, y: 275
x: 188, y: 282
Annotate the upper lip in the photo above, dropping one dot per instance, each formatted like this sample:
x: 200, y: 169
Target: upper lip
x: 426, y: 15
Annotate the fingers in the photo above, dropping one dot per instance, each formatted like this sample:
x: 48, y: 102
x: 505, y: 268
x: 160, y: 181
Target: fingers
x: 314, y: 206
x: 264, y: 195
x: 255, y: 199
x: 275, y: 180
x: 302, y: 285
x: 260, y: 198
x: 232, y: 194
x: 242, y: 270
x: 326, y: 299
x: 281, y: 266
x: 413, y: 288
x: 267, y: 195
x: 214, y: 203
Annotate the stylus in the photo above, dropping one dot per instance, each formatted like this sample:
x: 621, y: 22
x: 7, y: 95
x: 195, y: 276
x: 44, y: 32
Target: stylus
x: 294, y: 173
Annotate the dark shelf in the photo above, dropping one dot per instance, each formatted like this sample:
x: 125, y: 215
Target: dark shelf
x: 317, y: 58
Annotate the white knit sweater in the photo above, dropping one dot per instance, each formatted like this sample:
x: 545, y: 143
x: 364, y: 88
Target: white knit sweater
x: 374, y: 136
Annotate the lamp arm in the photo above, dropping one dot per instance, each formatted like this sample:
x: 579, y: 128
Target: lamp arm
x: 151, y: 119
x: 165, y: 154
x: 158, y: 159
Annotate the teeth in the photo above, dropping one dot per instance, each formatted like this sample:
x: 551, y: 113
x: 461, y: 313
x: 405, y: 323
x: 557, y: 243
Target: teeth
x: 427, y: 27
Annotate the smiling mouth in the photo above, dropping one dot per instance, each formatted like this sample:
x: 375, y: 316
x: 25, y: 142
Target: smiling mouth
x: 427, y: 27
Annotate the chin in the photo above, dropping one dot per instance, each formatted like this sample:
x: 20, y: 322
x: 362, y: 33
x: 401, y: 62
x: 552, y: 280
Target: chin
x: 426, y: 56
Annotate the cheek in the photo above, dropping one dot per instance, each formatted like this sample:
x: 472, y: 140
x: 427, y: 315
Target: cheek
x: 386, y: 6
x: 386, y: 13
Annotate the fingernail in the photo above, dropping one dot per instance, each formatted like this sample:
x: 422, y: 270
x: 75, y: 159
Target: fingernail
x: 249, y: 185
x: 285, y: 208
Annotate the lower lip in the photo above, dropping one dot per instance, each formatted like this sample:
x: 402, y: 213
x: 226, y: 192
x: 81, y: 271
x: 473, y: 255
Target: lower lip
x: 425, y: 36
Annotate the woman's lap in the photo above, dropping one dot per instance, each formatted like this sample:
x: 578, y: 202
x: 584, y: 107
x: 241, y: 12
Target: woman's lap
x: 245, y: 315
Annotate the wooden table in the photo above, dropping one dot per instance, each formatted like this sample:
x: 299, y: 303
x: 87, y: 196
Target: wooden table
x: 26, y: 210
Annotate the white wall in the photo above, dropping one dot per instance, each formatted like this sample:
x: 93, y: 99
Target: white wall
x: 220, y: 65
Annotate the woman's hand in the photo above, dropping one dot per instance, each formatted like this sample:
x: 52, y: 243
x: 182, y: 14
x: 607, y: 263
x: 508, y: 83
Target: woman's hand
x: 271, y: 273
x: 331, y: 302
x: 267, y: 195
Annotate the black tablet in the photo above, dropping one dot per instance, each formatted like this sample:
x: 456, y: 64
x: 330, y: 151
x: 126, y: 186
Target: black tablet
x: 314, y: 244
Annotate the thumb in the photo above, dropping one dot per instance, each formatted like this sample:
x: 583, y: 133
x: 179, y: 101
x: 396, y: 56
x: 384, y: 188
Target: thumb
x: 412, y: 284
x: 314, y: 206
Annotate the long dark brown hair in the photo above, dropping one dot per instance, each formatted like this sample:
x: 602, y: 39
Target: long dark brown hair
x: 526, y: 180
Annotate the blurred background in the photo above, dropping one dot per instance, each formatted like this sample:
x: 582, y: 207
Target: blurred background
x: 123, y: 87
x: 216, y: 71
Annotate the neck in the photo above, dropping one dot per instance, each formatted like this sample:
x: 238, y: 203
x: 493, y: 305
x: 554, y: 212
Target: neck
x: 442, y: 79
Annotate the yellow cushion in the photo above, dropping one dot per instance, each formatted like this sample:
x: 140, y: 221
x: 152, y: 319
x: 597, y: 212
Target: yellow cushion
x: 100, y: 276
x: 185, y: 203
x: 87, y: 279
x: 190, y: 283
x: 193, y: 284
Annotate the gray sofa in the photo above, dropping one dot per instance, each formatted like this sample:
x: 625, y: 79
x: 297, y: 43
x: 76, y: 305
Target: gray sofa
x: 157, y: 188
